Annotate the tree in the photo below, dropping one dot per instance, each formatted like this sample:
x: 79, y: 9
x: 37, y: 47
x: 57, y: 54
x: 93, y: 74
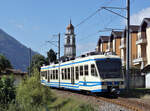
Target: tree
x: 52, y: 56
x: 37, y: 61
x: 4, y: 63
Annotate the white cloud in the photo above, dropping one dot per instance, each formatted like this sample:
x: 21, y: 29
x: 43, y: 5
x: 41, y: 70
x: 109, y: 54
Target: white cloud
x: 137, y: 18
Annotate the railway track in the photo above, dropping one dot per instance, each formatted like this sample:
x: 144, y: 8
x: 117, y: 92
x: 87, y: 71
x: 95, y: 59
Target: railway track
x: 121, y: 102
x: 131, y: 105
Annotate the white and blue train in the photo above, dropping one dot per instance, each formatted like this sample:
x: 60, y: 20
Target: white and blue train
x: 95, y: 73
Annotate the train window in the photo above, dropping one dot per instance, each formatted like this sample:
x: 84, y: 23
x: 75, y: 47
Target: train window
x: 81, y: 70
x: 93, y: 70
x: 77, y: 73
x: 68, y: 73
x: 86, y: 70
x: 62, y: 73
x: 41, y: 74
x: 53, y: 74
x: 65, y: 73
x: 56, y: 74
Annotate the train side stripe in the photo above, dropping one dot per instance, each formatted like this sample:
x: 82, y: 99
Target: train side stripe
x: 86, y: 84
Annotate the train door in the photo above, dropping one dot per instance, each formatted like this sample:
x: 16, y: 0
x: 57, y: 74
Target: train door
x: 76, y: 74
x: 72, y: 75
x: 82, y: 76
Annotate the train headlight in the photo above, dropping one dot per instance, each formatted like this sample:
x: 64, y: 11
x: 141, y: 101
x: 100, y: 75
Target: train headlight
x: 121, y: 83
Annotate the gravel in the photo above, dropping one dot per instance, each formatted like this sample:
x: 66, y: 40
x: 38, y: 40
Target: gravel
x: 101, y: 105
x: 111, y: 107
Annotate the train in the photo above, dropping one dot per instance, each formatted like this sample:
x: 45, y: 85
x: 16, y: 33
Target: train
x: 93, y: 73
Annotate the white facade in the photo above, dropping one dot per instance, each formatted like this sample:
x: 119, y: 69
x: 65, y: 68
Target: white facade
x: 147, y: 82
x: 148, y: 43
x: 143, y: 45
x: 122, y: 50
x: 114, y: 45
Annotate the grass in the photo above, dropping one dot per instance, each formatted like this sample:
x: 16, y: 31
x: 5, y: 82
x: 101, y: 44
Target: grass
x: 72, y: 103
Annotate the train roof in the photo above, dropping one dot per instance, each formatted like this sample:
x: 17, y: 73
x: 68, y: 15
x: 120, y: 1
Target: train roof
x: 83, y: 58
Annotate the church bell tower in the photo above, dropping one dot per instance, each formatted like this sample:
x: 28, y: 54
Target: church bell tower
x: 70, y: 46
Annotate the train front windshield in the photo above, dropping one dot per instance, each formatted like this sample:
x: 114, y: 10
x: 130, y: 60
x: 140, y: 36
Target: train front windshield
x: 109, y: 68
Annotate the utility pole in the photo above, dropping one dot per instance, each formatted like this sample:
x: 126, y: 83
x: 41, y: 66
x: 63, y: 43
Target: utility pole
x: 127, y: 38
x: 128, y: 44
x: 59, y: 56
x: 58, y: 52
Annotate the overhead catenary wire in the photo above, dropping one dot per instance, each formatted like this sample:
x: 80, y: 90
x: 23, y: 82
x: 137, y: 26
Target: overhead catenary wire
x: 103, y: 30
x: 94, y: 13
x: 90, y: 16
x: 87, y: 18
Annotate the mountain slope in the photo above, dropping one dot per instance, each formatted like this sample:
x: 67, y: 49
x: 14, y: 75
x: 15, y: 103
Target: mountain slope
x: 17, y: 53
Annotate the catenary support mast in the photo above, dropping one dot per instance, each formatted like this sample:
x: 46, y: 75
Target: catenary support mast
x: 128, y: 44
x: 59, y: 56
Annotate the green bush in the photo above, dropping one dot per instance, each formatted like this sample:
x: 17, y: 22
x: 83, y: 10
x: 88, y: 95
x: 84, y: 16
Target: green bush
x: 31, y: 93
x: 7, y: 90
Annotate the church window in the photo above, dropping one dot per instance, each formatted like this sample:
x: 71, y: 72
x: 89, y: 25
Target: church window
x: 68, y: 40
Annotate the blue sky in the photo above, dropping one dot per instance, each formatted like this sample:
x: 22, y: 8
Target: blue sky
x: 33, y: 22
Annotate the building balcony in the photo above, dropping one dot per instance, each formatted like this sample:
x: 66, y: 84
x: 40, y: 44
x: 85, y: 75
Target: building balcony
x: 139, y: 60
x: 141, y: 41
x: 108, y: 50
x: 141, y: 38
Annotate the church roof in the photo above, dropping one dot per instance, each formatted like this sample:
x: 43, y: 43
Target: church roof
x: 70, y: 26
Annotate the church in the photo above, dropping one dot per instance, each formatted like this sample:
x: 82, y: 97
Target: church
x: 70, y: 42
